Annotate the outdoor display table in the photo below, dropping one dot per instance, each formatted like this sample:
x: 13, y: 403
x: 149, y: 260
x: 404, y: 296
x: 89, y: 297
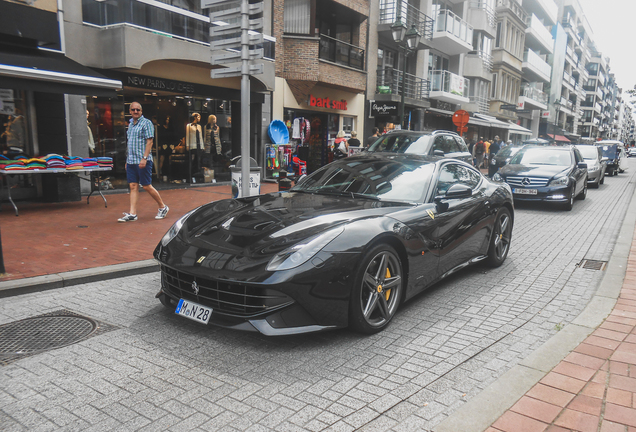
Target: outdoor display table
x: 95, y: 179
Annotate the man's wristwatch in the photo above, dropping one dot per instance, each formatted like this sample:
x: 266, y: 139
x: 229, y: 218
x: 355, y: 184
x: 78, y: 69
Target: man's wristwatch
x: 145, y: 157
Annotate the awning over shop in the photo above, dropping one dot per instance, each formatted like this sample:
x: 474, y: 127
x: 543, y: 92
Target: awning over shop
x: 559, y: 138
x: 519, y: 130
x: 493, y: 121
x: 52, y: 72
x: 478, y: 122
x: 441, y: 111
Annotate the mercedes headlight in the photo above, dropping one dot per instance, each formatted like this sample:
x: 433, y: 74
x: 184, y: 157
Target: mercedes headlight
x: 593, y: 168
x: 175, y: 228
x: 560, y: 181
x: 497, y: 177
x: 302, y: 252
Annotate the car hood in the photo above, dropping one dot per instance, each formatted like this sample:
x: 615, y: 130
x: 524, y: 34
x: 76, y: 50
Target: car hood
x: 265, y: 225
x: 546, y: 171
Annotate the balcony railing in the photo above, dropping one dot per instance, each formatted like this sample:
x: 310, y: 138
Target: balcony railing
x: 390, y: 9
x: 535, y: 60
x: 535, y: 24
x: 448, y: 82
x: 158, y: 18
x: 483, y: 103
x: 485, y: 5
x: 485, y: 57
x: 447, y: 21
x: 389, y: 80
x: 534, y: 94
x: 340, y: 52
x: 514, y: 7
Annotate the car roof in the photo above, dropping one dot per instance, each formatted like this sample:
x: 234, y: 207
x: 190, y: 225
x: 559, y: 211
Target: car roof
x: 549, y: 148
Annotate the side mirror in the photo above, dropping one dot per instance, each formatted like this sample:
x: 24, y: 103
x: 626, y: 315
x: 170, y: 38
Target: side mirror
x: 604, y: 159
x: 438, y: 153
x: 455, y: 191
x: 582, y: 165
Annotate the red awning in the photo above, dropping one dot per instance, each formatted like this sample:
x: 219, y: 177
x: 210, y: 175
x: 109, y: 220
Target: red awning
x: 559, y: 138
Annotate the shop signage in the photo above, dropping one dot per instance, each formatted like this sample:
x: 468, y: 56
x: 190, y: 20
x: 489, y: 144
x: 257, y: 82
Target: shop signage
x: 545, y: 114
x: 457, y: 85
x: 327, y: 103
x: 383, y: 109
x: 159, y: 84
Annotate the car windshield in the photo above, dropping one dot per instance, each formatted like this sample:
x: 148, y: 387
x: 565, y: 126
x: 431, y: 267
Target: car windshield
x: 542, y: 156
x: 588, y: 151
x: 371, y: 178
x: 507, y: 151
x: 610, y: 151
x: 402, y: 143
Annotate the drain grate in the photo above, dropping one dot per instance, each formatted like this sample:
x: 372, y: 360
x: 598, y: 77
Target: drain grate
x: 46, y: 332
x: 593, y: 264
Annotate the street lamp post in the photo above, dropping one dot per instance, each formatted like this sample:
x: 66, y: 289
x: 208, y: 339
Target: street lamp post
x: 412, y: 39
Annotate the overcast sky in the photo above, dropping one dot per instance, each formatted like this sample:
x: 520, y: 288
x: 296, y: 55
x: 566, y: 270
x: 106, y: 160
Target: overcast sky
x: 613, y: 25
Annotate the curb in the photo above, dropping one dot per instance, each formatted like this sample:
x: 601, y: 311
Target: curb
x: 76, y: 277
x: 485, y: 408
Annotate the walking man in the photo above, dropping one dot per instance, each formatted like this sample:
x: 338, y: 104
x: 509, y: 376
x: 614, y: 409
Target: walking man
x: 139, y: 163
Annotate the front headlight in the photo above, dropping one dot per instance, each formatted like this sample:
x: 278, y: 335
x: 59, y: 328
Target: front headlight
x: 174, y: 229
x: 561, y: 181
x: 593, y: 168
x: 497, y: 177
x: 300, y: 253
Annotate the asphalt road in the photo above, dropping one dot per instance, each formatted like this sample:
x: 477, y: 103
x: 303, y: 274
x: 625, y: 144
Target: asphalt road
x: 155, y: 371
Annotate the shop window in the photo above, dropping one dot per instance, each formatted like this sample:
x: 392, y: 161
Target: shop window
x: 14, y: 127
x: 348, y: 124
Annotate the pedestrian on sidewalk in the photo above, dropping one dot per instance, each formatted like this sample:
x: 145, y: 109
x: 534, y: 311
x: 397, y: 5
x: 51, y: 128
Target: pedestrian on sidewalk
x: 141, y: 133
x: 478, y: 152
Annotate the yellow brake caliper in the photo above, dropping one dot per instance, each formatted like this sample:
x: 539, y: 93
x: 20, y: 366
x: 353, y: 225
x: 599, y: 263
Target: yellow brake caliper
x: 387, y: 293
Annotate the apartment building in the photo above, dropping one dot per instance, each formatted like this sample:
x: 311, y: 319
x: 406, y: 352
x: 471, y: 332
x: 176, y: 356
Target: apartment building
x: 321, y: 72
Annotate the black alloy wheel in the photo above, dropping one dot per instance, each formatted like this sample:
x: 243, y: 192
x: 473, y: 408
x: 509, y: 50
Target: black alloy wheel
x: 378, y: 290
x: 500, y: 239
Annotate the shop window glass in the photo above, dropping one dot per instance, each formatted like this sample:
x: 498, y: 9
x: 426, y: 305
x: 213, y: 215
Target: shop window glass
x: 14, y: 127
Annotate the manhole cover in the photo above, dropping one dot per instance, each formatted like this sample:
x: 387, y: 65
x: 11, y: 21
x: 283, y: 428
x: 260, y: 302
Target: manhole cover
x: 592, y: 264
x: 45, y: 332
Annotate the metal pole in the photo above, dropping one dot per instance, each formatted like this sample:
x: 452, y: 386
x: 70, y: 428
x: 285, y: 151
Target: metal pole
x: 403, y: 90
x: 245, y: 100
x: 1, y: 258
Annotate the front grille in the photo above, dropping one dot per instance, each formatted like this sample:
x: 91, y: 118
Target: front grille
x: 233, y: 299
x: 533, y: 181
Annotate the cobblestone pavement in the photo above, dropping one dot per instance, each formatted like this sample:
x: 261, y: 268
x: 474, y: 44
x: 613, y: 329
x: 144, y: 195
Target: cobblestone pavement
x: 157, y: 371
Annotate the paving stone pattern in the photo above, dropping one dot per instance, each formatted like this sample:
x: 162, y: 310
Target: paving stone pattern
x: 162, y: 372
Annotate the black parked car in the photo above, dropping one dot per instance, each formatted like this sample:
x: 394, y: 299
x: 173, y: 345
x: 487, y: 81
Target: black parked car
x: 437, y: 143
x: 345, y: 246
x: 501, y: 158
x: 551, y: 174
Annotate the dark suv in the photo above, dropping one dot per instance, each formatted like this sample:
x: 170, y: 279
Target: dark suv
x: 551, y: 174
x: 437, y: 143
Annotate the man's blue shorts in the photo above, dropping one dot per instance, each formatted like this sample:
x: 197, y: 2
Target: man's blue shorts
x: 143, y: 176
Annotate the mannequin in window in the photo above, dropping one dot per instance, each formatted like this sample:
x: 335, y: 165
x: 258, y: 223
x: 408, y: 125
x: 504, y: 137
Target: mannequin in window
x: 91, y: 141
x: 194, y: 142
x: 213, y: 137
x: 167, y: 143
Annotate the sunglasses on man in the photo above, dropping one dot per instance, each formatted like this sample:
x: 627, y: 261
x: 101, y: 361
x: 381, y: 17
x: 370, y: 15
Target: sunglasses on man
x: 135, y: 109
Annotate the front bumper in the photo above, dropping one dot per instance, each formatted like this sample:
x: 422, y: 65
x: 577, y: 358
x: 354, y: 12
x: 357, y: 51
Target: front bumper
x: 544, y: 194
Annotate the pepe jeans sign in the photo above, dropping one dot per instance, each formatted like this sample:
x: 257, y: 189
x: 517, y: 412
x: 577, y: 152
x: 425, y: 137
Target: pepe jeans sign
x: 383, y: 109
x: 159, y: 84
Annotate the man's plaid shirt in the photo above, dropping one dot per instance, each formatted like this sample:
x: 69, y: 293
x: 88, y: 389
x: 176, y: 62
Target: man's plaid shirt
x: 137, y: 136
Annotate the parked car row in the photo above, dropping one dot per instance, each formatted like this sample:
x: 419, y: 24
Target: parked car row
x: 348, y: 244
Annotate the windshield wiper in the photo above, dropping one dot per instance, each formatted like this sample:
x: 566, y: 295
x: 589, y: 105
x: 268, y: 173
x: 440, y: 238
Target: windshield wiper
x: 331, y: 191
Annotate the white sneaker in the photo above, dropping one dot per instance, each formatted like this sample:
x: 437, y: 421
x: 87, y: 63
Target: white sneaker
x: 127, y: 218
x: 162, y: 213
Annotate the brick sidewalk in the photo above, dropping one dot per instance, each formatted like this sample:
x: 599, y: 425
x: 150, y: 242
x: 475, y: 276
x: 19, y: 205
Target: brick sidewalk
x: 50, y: 238
x: 593, y: 388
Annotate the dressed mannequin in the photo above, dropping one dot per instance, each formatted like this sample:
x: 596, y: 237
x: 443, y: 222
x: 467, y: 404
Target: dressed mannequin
x: 194, y: 142
x: 91, y: 141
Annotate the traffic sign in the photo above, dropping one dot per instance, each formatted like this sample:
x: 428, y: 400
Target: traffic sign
x: 460, y: 118
x: 462, y: 129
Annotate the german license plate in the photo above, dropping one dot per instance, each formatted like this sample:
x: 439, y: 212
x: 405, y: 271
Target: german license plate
x: 524, y: 191
x: 194, y: 311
